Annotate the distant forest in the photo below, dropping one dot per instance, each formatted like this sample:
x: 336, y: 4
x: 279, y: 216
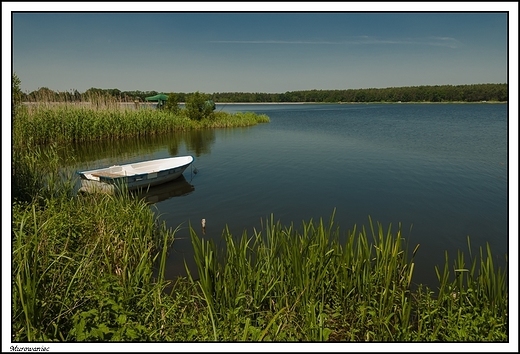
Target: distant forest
x: 442, y: 93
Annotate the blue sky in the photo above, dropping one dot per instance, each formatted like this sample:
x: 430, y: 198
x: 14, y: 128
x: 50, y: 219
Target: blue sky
x: 257, y: 51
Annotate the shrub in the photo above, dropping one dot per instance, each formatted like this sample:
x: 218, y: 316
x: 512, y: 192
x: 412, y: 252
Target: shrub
x: 199, y: 106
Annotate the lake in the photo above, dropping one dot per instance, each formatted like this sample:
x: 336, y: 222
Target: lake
x: 440, y: 171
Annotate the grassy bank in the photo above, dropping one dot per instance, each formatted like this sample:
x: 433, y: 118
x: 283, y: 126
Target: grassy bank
x: 46, y: 123
x: 281, y: 284
x: 91, y: 268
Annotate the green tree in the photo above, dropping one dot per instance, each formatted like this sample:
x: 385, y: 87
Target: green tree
x: 199, y: 106
x: 17, y: 92
x: 172, y: 104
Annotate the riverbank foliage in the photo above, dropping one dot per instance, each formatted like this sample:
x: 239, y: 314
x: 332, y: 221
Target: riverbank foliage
x: 46, y: 123
x: 91, y: 268
x: 426, y: 93
x: 83, y: 270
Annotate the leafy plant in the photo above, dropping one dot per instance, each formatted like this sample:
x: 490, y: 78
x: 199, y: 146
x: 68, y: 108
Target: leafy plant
x: 199, y: 106
x: 172, y: 104
x: 16, y: 91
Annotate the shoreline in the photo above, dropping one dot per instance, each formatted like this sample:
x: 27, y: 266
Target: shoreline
x: 414, y: 102
x: 276, y: 103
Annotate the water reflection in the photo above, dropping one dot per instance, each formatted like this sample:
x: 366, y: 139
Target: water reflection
x: 197, y: 141
x: 177, y: 188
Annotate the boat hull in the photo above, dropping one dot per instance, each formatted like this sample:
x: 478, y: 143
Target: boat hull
x: 134, y: 176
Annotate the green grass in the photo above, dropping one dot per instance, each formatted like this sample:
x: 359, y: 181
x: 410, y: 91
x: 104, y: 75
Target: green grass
x: 83, y: 267
x: 82, y: 271
x: 61, y: 123
x: 281, y: 284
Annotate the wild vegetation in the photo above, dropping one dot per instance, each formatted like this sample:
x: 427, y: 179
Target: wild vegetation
x: 438, y: 93
x: 91, y: 268
x: 107, y: 119
x: 83, y: 268
x: 303, y: 283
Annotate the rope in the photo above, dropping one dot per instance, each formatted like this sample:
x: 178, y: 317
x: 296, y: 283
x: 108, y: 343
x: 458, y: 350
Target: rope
x: 192, y: 172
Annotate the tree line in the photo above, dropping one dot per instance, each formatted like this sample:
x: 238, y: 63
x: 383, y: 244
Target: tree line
x: 438, y: 93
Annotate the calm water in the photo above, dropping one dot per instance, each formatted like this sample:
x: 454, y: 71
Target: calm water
x: 441, y: 171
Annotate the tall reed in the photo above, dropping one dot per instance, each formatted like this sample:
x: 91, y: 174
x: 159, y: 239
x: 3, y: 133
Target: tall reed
x: 83, y: 266
x: 47, y: 123
x: 288, y: 283
x: 471, y: 301
x: 304, y: 279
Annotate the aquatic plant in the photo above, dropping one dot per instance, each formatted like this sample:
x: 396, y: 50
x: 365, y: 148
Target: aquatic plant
x: 45, y: 123
x: 287, y: 284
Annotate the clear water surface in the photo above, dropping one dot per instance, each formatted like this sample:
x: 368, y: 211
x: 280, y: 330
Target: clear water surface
x: 438, y: 170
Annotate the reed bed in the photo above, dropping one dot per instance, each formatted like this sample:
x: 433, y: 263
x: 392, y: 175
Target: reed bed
x: 50, y: 122
x: 82, y: 271
x: 84, y: 268
x: 281, y: 284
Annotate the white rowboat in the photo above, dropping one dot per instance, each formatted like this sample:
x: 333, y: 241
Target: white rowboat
x: 135, y: 175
